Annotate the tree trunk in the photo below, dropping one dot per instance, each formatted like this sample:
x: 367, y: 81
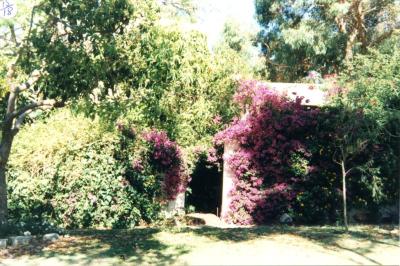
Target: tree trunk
x: 7, y: 138
x: 3, y: 195
x: 360, y: 24
x: 357, y: 31
x: 397, y: 173
x: 5, y: 147
x: 344, y: 195
x: 350, y: 45
x: 12, y: 123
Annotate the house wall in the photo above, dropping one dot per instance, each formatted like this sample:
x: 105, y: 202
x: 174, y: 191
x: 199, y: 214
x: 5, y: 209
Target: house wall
x: 176, y: 206
x: 227, y: 179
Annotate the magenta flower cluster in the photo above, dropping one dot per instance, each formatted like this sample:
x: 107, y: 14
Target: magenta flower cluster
x: 166, y: 156
x: 252, y: 93
x: 271, y: 131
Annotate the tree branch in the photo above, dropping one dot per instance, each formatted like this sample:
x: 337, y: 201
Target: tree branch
x: 270, y: 61
x: 13, y: 35
x: 30, y: 107
x: 34, y: 77
x: 31, y: 21
x: 334, y: 159
x: 21, y: 49
x: 19, y: 121
x: 363, y: 145
x: 348, y: 171
x: 390, y: 134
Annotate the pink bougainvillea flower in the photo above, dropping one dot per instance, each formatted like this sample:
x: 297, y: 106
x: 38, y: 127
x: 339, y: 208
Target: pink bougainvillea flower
x: 267, y: 136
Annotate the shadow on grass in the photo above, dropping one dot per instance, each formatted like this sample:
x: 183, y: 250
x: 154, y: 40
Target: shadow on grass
x: 330, y: 238
x: 138, y: 246
x: 142, y: 246
x: 327, y: 237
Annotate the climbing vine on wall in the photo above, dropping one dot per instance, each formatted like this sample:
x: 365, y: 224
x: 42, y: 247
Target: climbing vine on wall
x: 271, y: 153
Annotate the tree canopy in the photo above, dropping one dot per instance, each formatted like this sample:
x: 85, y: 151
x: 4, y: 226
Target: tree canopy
x: 321, y: 35
x: 64, y: 51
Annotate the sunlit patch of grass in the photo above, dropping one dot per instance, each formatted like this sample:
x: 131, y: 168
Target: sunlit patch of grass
x: 188, y: 244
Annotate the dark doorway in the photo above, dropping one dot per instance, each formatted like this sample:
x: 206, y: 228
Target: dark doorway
x: 205, y: 193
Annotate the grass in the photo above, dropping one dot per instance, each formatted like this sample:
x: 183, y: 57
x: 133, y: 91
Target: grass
x: 207, y: 245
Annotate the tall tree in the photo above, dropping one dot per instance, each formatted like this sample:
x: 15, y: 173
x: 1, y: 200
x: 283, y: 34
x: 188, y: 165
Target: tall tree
x: 321, y: 35
x: 239, y: 41
x: 368, y: 139
x: 374, y: 86
x: 68, y: 50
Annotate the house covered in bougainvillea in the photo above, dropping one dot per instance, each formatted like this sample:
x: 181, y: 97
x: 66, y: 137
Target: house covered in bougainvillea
x: 257, y: 147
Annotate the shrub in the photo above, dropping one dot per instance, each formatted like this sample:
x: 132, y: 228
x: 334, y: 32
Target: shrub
x: 68, y: 171
x: 156, y: 160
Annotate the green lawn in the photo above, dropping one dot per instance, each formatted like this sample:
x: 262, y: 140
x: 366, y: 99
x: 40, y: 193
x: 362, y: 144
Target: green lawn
x: 207, y: 245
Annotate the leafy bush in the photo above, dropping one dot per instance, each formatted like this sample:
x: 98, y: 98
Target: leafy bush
x: 156, y: 163
x: 69, y: 171
x: 167, y: 158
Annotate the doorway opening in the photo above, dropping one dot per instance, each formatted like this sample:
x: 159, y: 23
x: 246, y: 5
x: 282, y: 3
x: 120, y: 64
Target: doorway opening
x: 205, y: 189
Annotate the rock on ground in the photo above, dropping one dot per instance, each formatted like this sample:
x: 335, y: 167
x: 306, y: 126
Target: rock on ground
x: 51, y: 237
x: 20, y: 240
x: 3, y: 243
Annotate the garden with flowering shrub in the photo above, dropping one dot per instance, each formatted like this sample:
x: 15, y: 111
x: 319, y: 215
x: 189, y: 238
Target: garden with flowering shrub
x: 112, y: 108
x: 89, y: 177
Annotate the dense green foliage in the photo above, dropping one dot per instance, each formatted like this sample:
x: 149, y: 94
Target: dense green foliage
x: 373, y: 88
x: 175, y: 84
x: 66, y: 170
x: 63, y: 52
x: 359, y: 128
x: 77, y: 174
x: 321, y: 35
x: 155, y: 80
x: 239, y: 42
x: 371, y: 182
x: 74, y: 44
x: 374, y: 85
x: 88, y: 176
